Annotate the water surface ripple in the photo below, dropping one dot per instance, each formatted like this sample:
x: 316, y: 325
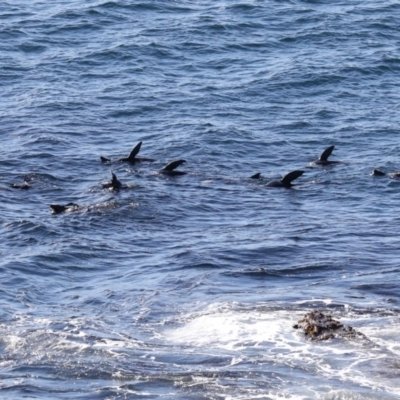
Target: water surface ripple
x: 187, y: 287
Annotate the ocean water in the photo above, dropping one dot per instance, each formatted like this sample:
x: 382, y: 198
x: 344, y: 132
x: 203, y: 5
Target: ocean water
x: 188, y: 287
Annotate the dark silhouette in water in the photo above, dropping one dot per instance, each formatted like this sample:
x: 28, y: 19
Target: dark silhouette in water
x: 131, y: 158
x: 286, y: 181
x: 323, y: 159
x: 114, y: 185
x: 169, y: 169
x: 256, y: 176
x: 319, y: 326
x: 59, y: 208
x: 25, y: 185
x: 378, y: 172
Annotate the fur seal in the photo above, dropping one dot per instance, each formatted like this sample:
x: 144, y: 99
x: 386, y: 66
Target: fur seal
x: 286, y: 181
x: 24, y: 185
x: 378, y: 172
x: 59, y: 208
x: 169, y: 169
x: 131, y: 158
x: 323, y: 159
x: 256, y: 176
x: 114, y: 185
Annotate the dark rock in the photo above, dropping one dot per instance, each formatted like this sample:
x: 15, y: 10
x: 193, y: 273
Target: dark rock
x: 319, y: 326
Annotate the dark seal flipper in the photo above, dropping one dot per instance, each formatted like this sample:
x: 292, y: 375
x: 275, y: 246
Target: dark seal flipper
x: 174, y: 164
x: 256, y: 176
x: 291, y: 176
x: 169, y: 169
x: 132, y: 156
x: 115, y: 184
x: 286, y: 181
x: 326, y: 153
x: 323, y: 159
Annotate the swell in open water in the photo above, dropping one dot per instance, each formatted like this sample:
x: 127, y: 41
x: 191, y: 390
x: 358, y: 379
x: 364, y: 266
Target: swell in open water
x: 187, y: 287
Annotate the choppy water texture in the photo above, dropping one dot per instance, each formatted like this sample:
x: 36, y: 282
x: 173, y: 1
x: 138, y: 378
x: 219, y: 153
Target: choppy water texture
x: 187, y: 287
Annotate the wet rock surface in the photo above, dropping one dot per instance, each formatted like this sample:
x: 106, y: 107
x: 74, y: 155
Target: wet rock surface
x: 319, y: 326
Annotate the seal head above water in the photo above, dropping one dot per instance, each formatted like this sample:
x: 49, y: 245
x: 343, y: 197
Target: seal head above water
x: 132, y: 159
x: 59, y: 208
x: 286, y: 181
x: 378, y: 172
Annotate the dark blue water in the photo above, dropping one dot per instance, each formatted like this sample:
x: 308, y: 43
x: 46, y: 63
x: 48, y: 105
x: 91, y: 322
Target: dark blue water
x: 187, y: 287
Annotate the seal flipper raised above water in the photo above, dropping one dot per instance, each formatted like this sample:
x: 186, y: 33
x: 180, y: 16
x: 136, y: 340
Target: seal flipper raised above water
x: 131, y: 158
x: 323, y: 159
x: 256, y: 176
x: 114, y: 185
x: 287, y: 180
x: 169, y: 169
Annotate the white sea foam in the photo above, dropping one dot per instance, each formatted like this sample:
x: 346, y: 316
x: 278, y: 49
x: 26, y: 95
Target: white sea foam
x: 267, y: 337
x: 232, y: 329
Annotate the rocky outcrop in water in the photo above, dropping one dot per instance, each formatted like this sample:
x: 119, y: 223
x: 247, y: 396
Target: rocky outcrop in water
x: 319, y: 326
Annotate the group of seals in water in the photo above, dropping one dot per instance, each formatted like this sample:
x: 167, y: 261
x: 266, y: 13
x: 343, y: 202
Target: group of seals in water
x: 115, y: 184
x: 286, y: 181
x: 315, y: 325
x: 171, y: 170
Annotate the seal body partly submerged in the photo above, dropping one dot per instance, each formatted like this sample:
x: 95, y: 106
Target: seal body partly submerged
x: 378, y: 172
x: 169, y: 169
x: 286, y: 181
x: 114, y: 185
x: 132, y: 158
x: 323, y: 159
x: 25, y: 185
x: 59, y: 208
